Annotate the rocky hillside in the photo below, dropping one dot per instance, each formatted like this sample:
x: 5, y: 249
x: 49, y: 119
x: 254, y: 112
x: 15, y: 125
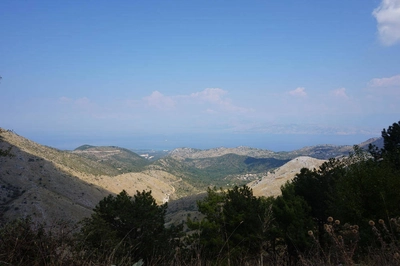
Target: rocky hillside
x: 50, y: 184
x: 270, y: 184
x: 33, y: 185
x: 120, y: 159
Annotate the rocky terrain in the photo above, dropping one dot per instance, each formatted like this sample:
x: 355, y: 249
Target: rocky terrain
x: 270, y: 184
x: 50, y: 184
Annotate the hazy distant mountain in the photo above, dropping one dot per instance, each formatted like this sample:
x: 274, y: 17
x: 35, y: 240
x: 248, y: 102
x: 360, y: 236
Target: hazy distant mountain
x: 189, y: 153
x: 378, y: 142
x: 318, y: 151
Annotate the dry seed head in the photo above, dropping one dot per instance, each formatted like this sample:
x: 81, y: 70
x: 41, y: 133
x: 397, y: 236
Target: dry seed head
x: 337, y: 222
x: 310, y: 233
x: 340, y: 237
x: 354, y: 231
x: 328, y: 228
x: 381, y: 221
x: 371, y: 223
x: 330, y: 219
x: 356, y: 227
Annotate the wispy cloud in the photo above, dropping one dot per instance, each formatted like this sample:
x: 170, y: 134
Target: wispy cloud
x: 290, y: 112
x: 389, y: 86
x: 340, y: 93
x: 298, y: 92
x: 385, y: 82
x: 213, y: 95
x: 387, y: 15
x: 159, y: 101
x: 81, y: 103
x: 210, y: 99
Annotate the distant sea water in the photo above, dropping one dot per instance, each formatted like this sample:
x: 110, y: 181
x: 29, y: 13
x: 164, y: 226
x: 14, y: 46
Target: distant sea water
x: 274, y: 142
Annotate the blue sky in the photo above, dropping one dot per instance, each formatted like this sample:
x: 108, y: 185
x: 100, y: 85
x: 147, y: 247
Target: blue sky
x: 165, y: 74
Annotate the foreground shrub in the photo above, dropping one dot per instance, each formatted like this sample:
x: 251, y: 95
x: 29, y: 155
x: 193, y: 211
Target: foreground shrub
x: 24, y: 243
x: 125, y: 229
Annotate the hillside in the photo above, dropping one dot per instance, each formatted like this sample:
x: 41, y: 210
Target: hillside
x: 267, y: 184
x: 270, y: 184
x: 32, y: 185
x: 323, y: 152
x: 49, y: 184
x: 114, y: 157
x: 227, y: 170
x: 189, y: 153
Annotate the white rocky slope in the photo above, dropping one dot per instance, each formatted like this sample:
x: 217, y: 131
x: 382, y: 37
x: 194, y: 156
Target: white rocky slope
x: 270, y: 184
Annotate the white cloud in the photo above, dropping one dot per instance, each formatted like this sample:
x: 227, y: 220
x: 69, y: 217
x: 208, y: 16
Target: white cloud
x: 65, y: 99
x: 210, y: 111
x: 299, y: 92
x: 387, y: 15
x: 81, y: 103
x: 385, y: 82
x: 381, y: 87
x: 213, y: 95
x: 159, y: 101
x: 340, y: 93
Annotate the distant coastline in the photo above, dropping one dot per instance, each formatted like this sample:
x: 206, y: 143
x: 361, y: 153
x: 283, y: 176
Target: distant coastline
x: 273, y: 142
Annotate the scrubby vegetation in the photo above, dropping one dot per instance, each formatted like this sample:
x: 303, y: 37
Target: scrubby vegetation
x: 222, y: 171
x: 346, y: 212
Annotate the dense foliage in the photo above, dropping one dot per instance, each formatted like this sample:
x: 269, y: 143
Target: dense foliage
x: 358, y: 190
x: 235, y: 226
x: 133, y: 228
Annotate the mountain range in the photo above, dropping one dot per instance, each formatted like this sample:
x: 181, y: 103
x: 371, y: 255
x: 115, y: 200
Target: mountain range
x: 50, y: 184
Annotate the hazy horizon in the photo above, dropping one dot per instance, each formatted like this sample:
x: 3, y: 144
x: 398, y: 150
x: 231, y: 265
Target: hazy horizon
x: 274, y: 142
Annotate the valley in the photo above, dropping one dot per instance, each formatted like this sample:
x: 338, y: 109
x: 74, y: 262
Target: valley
x: 50, y: 184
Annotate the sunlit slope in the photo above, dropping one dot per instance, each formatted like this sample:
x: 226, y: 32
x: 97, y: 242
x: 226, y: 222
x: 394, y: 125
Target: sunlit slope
x: 117, y: 158
x: 269, y: 185
x: 47, y: 183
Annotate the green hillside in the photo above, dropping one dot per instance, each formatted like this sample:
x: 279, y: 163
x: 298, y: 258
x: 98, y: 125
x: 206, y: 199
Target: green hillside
x: 120, y: 159
x: 221, y: 171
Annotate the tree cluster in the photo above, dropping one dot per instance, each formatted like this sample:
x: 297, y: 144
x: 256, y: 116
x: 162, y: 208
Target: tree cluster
x: 235, y: 227
x: 131, y: 228
x: 357, y: 190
